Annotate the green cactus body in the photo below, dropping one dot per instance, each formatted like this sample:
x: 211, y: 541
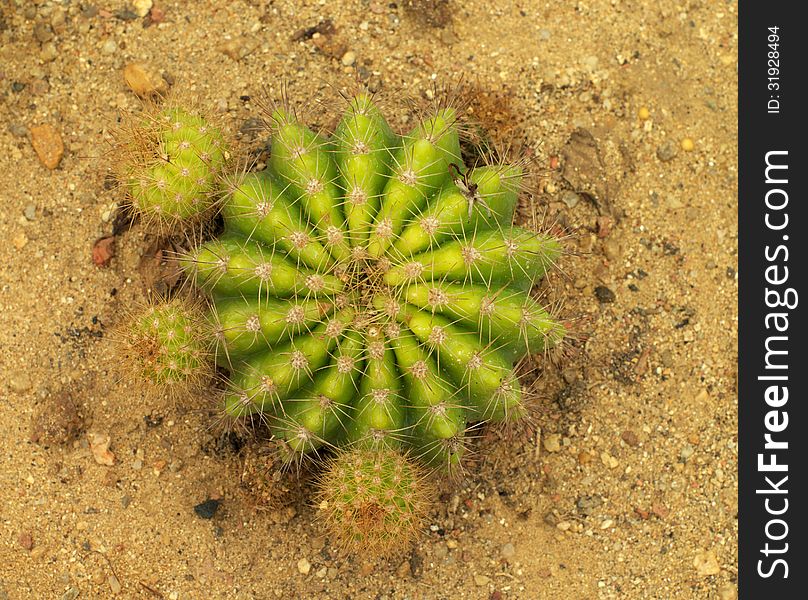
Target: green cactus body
x: 420, y: 168
x: 179, y: 159
x: 304, y: 161
x: 451, y: 212
x: 363, y: 141
x: 387, y: 336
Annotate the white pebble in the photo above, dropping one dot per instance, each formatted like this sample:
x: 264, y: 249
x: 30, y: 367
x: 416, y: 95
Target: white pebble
x: 109, y: 47
x: 303, y: 566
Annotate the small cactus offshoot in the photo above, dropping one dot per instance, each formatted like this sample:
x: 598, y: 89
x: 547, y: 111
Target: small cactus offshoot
x: 167, y: 348
x: 170, y: 162
x: 373, y: 500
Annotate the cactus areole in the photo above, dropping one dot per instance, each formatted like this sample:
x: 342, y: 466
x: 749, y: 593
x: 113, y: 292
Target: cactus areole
x: 370, y: 290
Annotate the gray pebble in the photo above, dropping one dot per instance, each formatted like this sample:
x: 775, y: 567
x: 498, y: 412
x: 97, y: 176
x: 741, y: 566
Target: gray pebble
x: 544, y: 34
x: 252, y: 127
x: 570, y: 198
x: 71, y: 594
x: 43, y: 32
x: 507, y: 551
x: 667, y: 151
x: 686, y: 452
x: 207, y: 509
x: 17, y: 129
x: 30, y: 212
x: 587, y: 504
x: 674, y: 202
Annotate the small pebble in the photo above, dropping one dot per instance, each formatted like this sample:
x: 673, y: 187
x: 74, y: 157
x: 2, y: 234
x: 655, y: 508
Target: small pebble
x: 604, y: 295
x: 30, y: 212
x: 49, y: 52
x: 630, y: 438
x: 207, y: 509
x: 142, y: 7
x: 507, y: 551
x: 114, y: 584
x: 674, y: 202
x: 588, y: 504
x: 99, y: 446
x: 570, y: 198
x: 660, y: 510
x: 43, y: 32
x: 482, y: 580
x: 404, y: 570
x: 688, y: 145
x: 591, y: 62
x: 20, y: 240
x: 234, y: 48
x: 349, y: 58
x: 706, y: 564
x: 26, y: 540
x: 48, y: 145
x: 303, y: 566
x: 644, y: 114
x: 17, y: 129
x: 71, y: 594
x: 552, y: 442
x: 19, y: 382
x: 143, y: 81
x: 109, y: 47
x: 611, y: 249
x: 666, y: 151
x: 686, y: 452
x: 608, y: 460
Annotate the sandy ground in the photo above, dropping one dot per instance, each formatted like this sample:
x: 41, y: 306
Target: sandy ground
x: 628, y: 487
